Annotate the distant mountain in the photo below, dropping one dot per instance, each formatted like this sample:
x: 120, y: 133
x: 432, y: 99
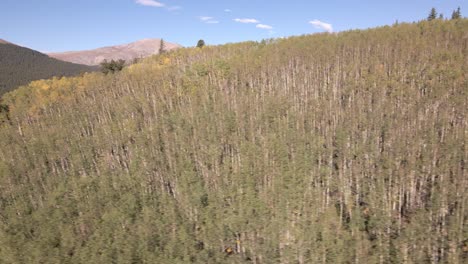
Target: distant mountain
x: 128, y: 52
x: 2, y: 41
x: 20, y: 65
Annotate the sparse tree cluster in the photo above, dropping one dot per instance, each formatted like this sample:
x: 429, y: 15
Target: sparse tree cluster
x: 113, y: 66
x: 456, y: 14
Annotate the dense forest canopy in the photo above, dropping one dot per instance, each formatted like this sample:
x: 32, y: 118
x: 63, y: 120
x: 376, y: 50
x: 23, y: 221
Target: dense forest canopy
x: 327, y: 148
x: 19, y: 66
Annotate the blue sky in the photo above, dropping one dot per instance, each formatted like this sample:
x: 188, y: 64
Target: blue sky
x: 61, y: 25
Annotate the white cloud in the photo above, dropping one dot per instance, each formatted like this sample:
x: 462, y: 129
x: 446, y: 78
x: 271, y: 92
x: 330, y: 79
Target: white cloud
x: 246, y: 20
x: 227, y: 10
x: 208, y: 20
x: 149, y: 3
x: 263, y: 26
x: 174, y: 8
x: 322, y: 25
x: 205, y: 18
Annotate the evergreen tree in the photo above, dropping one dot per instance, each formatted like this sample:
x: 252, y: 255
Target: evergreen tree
x: 432, y: 14
x: 456, y: 13
x: 112, y: 66
x: 162, y: 47
x: 200, y: 43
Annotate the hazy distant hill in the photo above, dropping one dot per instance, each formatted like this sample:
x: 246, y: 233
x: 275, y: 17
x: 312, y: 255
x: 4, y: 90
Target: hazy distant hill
x: 19, y: 66
x: 128, y: 52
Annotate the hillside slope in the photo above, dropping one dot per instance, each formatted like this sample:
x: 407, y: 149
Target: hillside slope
x: 2, y: 41
x: 19, y: 66
x: 329, y: 148
x: 128, y: 52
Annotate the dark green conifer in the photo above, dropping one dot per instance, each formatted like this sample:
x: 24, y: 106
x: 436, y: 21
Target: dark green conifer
x: 432, y: 14
x: 456, y: 13
x: 162, y: 47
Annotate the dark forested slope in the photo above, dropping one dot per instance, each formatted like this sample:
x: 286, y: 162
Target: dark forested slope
x: 19, y: 66
x: 330, y: 148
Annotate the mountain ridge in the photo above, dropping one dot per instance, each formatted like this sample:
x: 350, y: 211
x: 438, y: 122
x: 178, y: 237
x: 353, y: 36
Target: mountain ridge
x: 2, y: 41
x: 128, y: 51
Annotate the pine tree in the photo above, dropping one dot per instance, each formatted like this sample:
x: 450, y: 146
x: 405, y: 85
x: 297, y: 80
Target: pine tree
x: 112, y: 66
x: 432, y: 14
x: 162, y: 47
x: 456, y: 13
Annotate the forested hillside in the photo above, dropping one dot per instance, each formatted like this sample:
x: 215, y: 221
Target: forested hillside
x: 327, y: 148
x: 19, y: 66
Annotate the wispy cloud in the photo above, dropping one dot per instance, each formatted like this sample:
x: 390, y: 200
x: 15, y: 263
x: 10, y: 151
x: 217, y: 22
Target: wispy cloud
x: 149, y: 3
x: 227, y: 10
x: 263, y: 26
x: 208, y: 20
x: 246, y: 20
x: 322, y: 25
x: 205, y: 18
x: 174, y: 8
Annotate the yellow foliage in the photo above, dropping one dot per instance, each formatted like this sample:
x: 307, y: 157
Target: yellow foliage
x: 40, y: 84
x: 155, y: 67
x: 131, y: 68
x: 45, y: 86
